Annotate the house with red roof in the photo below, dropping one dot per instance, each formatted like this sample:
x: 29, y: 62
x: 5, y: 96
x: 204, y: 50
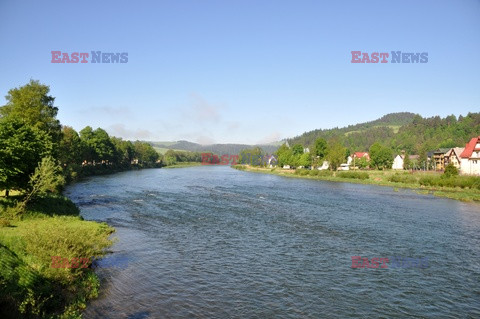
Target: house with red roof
x: 361, y: 154
x: 470, y: 157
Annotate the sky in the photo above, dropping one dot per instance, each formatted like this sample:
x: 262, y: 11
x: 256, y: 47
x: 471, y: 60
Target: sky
x: 242, y: 71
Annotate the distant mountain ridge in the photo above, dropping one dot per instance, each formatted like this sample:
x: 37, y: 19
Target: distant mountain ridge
x: 391, y: 121
x: 219, y: 149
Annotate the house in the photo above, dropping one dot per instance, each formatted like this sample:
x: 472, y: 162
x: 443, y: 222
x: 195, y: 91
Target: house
x: 361, y: 154
x: 272, y: 161
x: 324, y: 166
x: 349, y: 160
x: 470, y: 157
x: 453, y: 156
x: 399, y: 160
x: 439, y: 158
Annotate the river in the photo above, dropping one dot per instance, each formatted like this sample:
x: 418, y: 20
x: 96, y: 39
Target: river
x: 214, y: 242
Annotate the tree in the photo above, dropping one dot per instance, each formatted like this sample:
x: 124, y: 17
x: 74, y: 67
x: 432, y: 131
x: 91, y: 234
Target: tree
x: 297, y: 149
x: 320, y: 148
x: 125, y: 151
x: 21, y: 149
x: 32, y: 104
x: 285, y: 156
x: 47, y: 178
x: 407, y: 163
x: 361, y: 162
x: 146, y: 154
x: 304, y: 160
x: 381, y: 156
x: 450, y: 170
x: 70, y: 146
x: 98, y: 143
x: 336, y: 154
x: 254, y: 157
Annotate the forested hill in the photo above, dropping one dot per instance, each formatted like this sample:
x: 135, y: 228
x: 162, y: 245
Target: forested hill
x: 401, y: 131
x: 219, y: 149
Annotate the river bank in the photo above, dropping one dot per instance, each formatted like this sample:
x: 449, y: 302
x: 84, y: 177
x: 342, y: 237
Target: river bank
x: 417, y: 181
x: 29, y: 284
x: 183, y: 164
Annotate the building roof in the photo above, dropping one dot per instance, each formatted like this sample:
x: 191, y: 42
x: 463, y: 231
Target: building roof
x: 360, y: 154
x: 411, y: 157
x: 470, y: 147
x: 441, y: 150
x: 455, y: 151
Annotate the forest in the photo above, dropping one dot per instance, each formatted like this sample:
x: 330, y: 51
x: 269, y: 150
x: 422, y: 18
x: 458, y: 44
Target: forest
x: 30, y: 133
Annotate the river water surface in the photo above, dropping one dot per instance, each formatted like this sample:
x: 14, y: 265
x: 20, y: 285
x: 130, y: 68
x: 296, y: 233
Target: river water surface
x: 214, y: 242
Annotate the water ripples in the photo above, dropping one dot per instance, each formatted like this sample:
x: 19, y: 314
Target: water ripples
x: 212, y: 242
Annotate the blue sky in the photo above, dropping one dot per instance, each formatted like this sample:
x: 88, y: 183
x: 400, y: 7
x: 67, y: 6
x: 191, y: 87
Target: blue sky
x: 242, y: 71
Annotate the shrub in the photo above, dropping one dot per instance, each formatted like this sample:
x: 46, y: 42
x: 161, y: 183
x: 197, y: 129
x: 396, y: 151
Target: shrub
x: 450, y: 170
x: 403, y: 178
x: 353, y: 175
x: 325, y: 173
x: 427, y: 181
x: 302, y: 171
x: 314, y: 172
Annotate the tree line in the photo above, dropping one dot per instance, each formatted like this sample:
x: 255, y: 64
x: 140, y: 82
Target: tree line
x: 31, y: 134
x: 401, y: 132
x: 332, y: 151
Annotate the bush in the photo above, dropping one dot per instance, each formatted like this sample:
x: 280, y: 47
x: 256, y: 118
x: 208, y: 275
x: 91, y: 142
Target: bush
x: 403, y: 178
x: 353, y: 175
x: 301, y: 171
x: 450, y: 170
x: 472, y: 182
x: 314, y: 172
x: 427, y: 181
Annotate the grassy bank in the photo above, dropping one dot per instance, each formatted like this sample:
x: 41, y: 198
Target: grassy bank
x: 51, y: 226
x: 183, y: 164
x: 465, y: 188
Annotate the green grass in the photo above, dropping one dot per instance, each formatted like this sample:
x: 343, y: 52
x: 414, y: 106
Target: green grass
x: 162, y: 150
x: 183, y: 164
x: 395, y: 129
x: 29, y: 286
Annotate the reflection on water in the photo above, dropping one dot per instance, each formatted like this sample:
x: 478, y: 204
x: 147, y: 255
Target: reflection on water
x: 213, y: 242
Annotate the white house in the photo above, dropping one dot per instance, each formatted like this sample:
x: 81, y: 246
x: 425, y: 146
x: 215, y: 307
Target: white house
x: 397, y: 162
x: 272, y: 161
x: 470, y: 157
x: 324, y: 166
x: 453, y: 156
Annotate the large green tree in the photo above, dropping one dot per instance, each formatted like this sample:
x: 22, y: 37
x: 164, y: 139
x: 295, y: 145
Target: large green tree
x: 125, y: 151
x: 33, y: 104
x: 98, y: 143
x: 145, y: 153
x: 21, y: 149
x: 336, y: 154
x: 285, y: 155
x: 70, y: 148
x: 320, y: 148
x: 381, y: 156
